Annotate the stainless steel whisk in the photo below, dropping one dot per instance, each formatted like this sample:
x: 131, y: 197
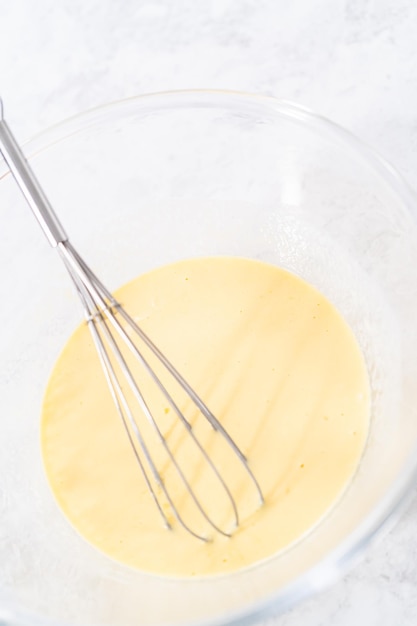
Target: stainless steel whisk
x: 104, y: 316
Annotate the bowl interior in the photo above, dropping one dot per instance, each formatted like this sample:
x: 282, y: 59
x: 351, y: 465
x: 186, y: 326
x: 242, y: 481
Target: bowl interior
x: 148, y: 181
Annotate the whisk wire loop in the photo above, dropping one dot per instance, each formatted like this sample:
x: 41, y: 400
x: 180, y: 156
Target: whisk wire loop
x: 99, y: 314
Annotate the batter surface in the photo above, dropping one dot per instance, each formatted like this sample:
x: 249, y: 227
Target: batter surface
x: 276, y: 364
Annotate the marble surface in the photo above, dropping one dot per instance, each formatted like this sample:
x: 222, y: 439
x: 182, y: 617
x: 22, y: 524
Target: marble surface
x: 354, y: 61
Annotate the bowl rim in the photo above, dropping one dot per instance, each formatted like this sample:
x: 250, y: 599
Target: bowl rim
x: 397, y: 497
x: 74, y: 124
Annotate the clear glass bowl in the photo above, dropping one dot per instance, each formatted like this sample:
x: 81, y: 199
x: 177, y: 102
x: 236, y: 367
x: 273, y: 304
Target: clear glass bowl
x: 153, y: 179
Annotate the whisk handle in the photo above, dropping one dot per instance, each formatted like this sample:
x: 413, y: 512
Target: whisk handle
x: 29, y: 185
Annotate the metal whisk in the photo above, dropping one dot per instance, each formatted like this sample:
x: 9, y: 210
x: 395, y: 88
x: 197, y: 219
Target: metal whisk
x: 109, y: 323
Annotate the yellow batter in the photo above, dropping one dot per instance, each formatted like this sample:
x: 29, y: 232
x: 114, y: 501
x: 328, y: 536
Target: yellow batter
x: 277, y: 365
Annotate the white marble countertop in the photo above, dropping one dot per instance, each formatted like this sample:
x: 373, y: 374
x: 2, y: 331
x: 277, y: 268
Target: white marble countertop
x: 354, y: 61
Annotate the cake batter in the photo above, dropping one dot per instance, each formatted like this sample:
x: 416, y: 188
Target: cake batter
x: 278, y: 366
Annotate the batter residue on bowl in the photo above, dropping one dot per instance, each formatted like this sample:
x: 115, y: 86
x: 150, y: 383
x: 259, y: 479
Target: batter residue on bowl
x: 277, y: 365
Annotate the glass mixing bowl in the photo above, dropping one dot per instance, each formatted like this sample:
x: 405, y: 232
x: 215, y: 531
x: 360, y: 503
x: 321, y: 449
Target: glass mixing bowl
x: 144, y: 182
